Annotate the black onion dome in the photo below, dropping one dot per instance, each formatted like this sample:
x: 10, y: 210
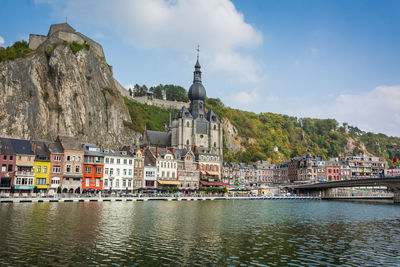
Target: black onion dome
x: 197, y: 92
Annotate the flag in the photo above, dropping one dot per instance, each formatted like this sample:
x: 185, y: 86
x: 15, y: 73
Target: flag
x: 395, y: 159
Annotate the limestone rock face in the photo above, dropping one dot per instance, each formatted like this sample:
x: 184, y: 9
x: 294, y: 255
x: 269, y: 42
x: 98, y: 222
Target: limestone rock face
x: 232, y: 139
x: 62, y: 93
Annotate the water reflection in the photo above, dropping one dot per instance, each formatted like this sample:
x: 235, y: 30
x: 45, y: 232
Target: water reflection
x: 200, y: 233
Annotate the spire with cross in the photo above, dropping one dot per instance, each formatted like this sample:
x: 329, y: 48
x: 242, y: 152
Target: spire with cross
x: 198, y: 52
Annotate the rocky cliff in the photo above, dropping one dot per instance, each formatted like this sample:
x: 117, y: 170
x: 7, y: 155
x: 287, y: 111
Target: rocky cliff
x: 57, y: 91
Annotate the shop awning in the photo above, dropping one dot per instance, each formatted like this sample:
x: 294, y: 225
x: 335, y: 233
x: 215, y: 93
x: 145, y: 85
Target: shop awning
x: 203, y: 172
x: 212, y: 173
x: 168, y: 182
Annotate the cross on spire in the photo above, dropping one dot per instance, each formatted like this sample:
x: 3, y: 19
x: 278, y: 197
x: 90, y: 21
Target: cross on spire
x: 198, y: 51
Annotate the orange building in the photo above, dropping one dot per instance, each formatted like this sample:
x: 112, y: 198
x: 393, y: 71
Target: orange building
x: 93, y: 168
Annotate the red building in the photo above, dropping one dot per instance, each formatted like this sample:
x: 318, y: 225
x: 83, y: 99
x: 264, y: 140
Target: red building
x: 93, y: 168
x: 332, y: 171
x: 7, y: 164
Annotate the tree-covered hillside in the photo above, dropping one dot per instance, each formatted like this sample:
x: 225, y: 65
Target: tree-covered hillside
x: 260, y: 133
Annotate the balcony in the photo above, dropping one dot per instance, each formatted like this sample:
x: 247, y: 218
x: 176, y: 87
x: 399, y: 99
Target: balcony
x: 21, y: 173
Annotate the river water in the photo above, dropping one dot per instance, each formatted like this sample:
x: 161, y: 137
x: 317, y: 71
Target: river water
x: 190, y: 233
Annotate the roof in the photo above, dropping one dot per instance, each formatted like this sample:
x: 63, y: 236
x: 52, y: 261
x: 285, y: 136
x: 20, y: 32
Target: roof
x: 183, y: 113
x: 148, y: 162
x: 211, y: 117
x: 22, y: 147
x: 54, y: 147
x: 181, y: 153
x: 70, y: 143
x: 65, y: 27
x: 40, y: 149
x: 158, y: 138
x: 162, y: 151
x: 6, y: 147
x: 92, y: 150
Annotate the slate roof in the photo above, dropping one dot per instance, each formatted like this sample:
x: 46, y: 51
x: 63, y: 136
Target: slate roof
x: 155, y: 138
x: 41, y: 150
x: 70, y: 143
x: 88, y: 152
x: 180, y: 153
x: 22, y: 147
x: 54, y: 148
x: 6, y: 146
x: 183, y: 113
x: 212, y: 117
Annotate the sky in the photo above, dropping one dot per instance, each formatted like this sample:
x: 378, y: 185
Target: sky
x: 304, y: 58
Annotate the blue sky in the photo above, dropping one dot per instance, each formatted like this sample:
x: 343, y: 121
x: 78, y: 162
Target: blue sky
x: 322, y: 59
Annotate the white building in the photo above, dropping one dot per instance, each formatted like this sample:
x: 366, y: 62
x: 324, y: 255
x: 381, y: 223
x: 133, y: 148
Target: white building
x: 149, y: 173
x: 118, y: 170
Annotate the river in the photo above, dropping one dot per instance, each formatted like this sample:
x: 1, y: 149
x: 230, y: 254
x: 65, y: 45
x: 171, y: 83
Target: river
x: 198, y: 233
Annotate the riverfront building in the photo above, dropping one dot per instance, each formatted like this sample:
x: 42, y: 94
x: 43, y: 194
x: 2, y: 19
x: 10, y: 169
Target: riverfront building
x: 72, y: 164
x: 42, y: 166
x: 7, y: 163
x: 93, y: 165
x: 118, y: 171
x: 138, y: 162
x: 56, y: 166
x: 188, y: 171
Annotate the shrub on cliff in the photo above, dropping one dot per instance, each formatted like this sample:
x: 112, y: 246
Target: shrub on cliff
x: 17, y: 50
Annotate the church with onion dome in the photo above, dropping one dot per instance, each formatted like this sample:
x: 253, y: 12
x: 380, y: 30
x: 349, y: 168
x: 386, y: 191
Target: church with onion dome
x: 192, y: 129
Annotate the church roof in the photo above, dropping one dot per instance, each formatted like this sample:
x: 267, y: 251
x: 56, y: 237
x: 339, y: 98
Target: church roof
x: 158, y: 138
x: 211, y: 117
x: 184, y: 113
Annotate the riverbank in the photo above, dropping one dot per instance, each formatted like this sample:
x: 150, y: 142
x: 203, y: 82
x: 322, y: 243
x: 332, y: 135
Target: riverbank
x: 159, y: 198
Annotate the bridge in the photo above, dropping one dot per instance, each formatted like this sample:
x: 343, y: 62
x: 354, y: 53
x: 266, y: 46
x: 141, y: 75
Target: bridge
x: 392, y: 183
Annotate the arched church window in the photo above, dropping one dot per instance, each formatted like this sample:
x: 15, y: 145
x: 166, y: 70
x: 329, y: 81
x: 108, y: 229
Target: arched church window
x: 215, y: 127
x: 187, y: 142
x: 188, y: 124
x: 215, y: 144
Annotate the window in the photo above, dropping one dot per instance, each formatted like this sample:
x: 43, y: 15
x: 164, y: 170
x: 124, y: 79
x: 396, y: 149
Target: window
x: 187, y: 184
x: 107, y: 160
x: 99, y: 171
x: 130, y: 172
x: 11, y: 157
x: 19, y: 157
x: 10, y: 167
x: 97, y: 159
x: 106, y: 182
x: 130, y: 162
x: 57, y: 158
x: 106, y: 171
x: 40, y: 181
x: 55, y: 181
x: 123, y: 183
x: 112, y: 160
x: 215, y: 127
x: 4, y: 168
x: 111, y: 171
x: 187, y: 124
x: 38, y: 169
x: 187, y: 142
x: 5, y: 157
x: 129, y: 183
x: 56, y: 169
x: 118, y: 171
x: 77, y: 168
x: 68, y: 168
x: 97, y: 182
x: 78, y: 158
x: 44, y: 169
x: 125, y: 161
x: 88, y: 170
x: 118, y: 161
x: 87, y: 182
x: 116, y: 183
x: 215, y: 144
x: 73, y: 158
x: 69, y: 158
x: 124, y: 171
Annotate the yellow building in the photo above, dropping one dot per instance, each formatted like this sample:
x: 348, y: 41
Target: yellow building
x: 41, y: 166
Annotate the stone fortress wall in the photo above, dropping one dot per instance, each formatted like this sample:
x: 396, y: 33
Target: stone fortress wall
x: 59, y: 33
x: 166, y: 104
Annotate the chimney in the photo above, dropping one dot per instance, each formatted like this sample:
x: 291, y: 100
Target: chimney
x: 33, y: 147
x: 157, y: 150
x: 172, y: 149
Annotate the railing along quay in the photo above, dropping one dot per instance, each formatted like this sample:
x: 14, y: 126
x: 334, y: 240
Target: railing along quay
x: 149, y: 198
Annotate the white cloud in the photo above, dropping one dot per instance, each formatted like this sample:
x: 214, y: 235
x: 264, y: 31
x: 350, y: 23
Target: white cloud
x: 245, y: 98
x: 377, y: 110
x: 176, y: 24
x: 2, y: 40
